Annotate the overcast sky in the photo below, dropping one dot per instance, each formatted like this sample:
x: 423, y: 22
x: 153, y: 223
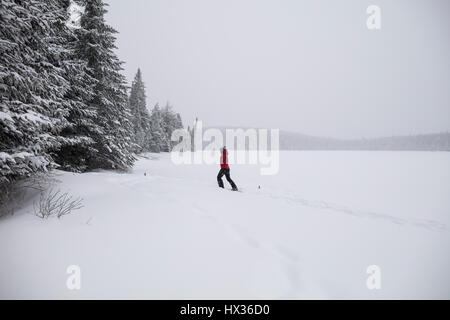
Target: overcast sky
x: 308, y: 66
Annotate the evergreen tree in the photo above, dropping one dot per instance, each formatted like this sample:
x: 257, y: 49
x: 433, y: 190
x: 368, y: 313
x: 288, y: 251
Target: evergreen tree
x: 157, y: 138
x: 170, y: 122
x: 140, y: 117
x: 178, y: 122
x: 32, y: 86
x: 114, y: 143
x: 81, y: 125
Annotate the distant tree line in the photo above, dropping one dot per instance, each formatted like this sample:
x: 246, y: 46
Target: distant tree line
x: 289, y: 140
x: 420, y: 142
x: 63, y: 98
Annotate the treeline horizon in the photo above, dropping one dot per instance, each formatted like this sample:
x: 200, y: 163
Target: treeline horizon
x: 413, y: 142
x: 291, y: 140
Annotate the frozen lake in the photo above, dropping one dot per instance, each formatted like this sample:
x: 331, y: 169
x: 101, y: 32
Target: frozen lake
x: 309, y: 231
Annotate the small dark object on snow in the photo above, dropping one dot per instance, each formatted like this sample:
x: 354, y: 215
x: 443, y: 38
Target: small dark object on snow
x: 259, y: 187
x: 145, y: 173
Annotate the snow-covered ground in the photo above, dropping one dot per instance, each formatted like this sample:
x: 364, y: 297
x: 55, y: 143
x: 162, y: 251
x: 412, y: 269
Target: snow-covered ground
x: 310, y: 231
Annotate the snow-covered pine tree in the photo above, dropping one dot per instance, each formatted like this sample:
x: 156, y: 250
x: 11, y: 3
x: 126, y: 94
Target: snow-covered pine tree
x: 81, y: 125
x: 178, y: 122
x: 32, y: 87
x: 157, y: 138
x: 140, y: 117
x: 170, y: 122
x: 114, y: 144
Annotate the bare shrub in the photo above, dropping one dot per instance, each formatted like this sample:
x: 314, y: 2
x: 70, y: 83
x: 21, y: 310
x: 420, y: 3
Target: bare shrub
x: 17, y: 194
x: 56, y: 203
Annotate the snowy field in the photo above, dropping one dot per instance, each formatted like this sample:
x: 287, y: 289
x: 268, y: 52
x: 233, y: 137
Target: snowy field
x: 310, y: 231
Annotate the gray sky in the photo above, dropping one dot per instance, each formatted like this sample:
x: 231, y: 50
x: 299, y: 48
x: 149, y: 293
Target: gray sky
x: 307, y: 66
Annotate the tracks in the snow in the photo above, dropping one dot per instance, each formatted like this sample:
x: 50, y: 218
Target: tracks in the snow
x: 288, y: 260
x: 296, y: 199
x: 429, y: 224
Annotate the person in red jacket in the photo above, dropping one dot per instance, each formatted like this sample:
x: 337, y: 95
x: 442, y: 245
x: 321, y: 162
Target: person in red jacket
x: 225, y: 170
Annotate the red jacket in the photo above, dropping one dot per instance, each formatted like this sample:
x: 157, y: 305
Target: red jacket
x: 224, y: 159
